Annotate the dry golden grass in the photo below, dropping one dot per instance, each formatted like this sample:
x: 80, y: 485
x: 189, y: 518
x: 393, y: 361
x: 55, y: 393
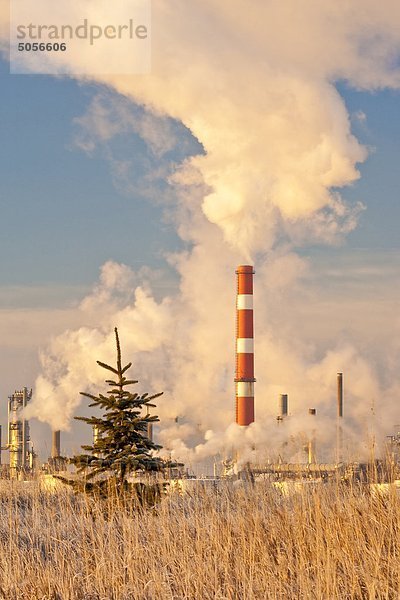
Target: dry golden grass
x: 324, y: 542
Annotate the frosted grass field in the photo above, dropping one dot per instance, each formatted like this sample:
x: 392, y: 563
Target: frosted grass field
x: 323, y: 542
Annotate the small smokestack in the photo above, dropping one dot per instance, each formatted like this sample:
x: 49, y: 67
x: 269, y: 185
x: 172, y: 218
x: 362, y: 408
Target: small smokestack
x: 339, y: 433
x: 244, y: 377
x: 283, y: 403
x: 340, y: 394
x: 312, y: 442
x: 56, y: 444
x: 150, y: 431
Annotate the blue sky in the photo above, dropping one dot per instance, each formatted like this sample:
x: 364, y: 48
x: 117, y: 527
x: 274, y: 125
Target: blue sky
x: 62, y: 217
x: 379, y: 186
x: 61, y: 211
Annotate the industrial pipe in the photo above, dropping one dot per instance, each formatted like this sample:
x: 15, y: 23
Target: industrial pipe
x: 296, y: 468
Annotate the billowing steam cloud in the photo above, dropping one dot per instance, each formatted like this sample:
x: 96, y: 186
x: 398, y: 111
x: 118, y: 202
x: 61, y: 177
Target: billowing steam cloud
x: 254, y: 83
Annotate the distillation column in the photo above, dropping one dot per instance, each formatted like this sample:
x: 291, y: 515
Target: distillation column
x: 244, y: 376
x: 18, y: 432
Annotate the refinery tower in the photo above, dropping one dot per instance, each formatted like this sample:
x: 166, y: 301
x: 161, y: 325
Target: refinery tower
x: 18, y: 433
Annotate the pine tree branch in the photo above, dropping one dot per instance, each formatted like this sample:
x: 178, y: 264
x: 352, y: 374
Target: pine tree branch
x: 101, y: 364
x: 91, y: 396
x: 126, y: 368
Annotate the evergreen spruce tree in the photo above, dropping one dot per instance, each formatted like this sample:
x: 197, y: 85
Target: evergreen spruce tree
x: 122, y: 446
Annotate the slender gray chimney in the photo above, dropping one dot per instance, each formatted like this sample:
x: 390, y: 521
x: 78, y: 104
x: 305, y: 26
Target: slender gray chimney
x: 339, y: 429
x: 56, y: 444
x: 283, y: 408
x: 340, y: 394
x: 283, y: 401
x: 312, y: 441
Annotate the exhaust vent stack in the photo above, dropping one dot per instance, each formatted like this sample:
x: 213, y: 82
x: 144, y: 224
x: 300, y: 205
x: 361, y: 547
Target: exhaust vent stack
x: 339, y: 428
x: 283, y: 407
x: 56, y: 444
x: 244, y: 376
x: 312, y: 442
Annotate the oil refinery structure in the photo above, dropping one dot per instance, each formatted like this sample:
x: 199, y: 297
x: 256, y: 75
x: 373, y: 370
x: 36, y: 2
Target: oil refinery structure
x: 23, y: 462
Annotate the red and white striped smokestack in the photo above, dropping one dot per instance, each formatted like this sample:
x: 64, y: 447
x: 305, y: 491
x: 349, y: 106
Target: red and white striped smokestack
x: 244, y: 376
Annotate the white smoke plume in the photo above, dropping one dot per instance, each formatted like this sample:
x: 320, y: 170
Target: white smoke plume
x: 255, y: 85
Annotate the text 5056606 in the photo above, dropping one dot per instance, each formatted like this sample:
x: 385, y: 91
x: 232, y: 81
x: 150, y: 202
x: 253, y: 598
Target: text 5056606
x: 42, y: 47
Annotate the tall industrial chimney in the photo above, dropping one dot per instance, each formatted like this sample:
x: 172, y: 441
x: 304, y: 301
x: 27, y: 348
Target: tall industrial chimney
x: 56, y: 444
x: 339, y: 441
x: 244, y: 376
